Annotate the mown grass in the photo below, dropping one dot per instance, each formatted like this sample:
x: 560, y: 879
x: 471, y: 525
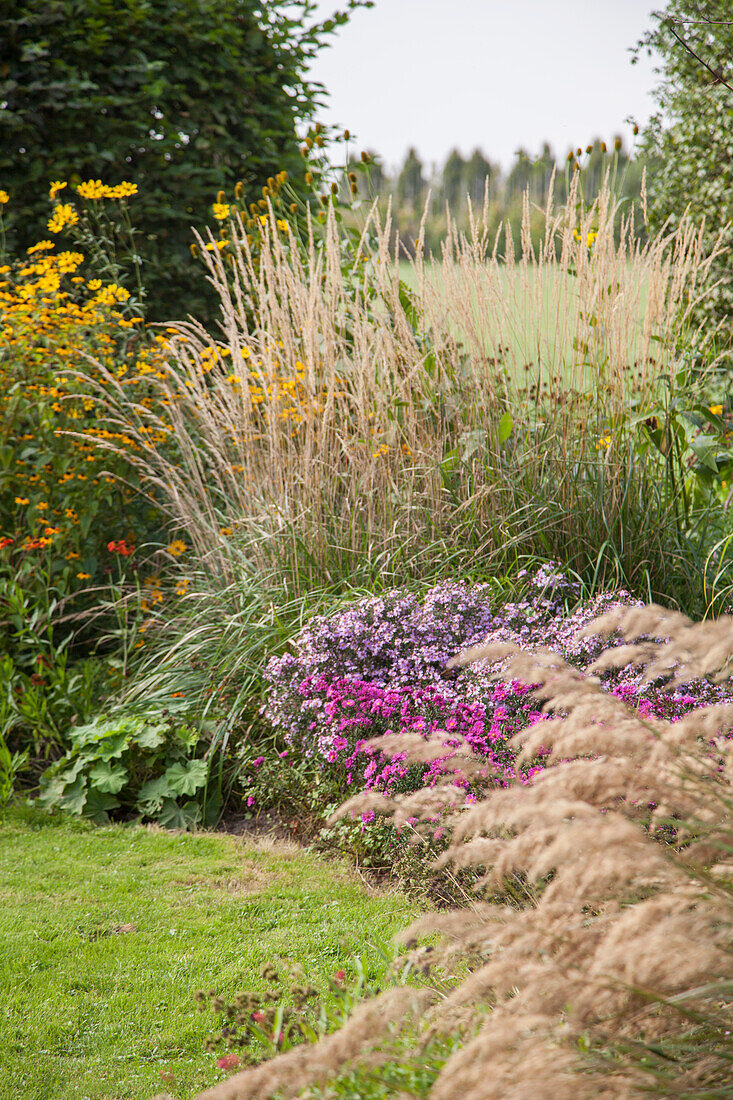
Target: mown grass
x: 105, y: 934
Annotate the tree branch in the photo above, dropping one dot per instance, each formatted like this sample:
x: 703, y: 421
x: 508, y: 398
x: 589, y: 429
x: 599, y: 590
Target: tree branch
x: 719, y: 79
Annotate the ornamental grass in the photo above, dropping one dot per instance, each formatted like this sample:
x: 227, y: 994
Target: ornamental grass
x: 496, y: 403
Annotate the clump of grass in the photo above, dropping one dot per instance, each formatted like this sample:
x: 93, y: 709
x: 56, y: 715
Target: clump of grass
x: 614, y: 976
x: 344, y: 419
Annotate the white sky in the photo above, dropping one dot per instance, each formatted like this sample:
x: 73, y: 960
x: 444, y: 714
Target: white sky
x: 494, y: 73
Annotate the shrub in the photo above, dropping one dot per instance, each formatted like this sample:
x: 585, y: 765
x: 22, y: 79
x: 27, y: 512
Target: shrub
x: 688, y: 138
x: 72, y: 522
x: 61, y: 500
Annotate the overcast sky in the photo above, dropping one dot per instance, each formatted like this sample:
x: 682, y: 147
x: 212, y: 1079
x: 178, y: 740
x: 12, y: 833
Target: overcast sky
x: 491, y: 73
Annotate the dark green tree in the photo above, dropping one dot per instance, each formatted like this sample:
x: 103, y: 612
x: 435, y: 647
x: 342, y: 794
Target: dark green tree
x: 411, y: 184
x: 181, y: 97
x: 690, y: 139
x: 478, y: 170
x: 542, y: 170
x: 454, y: 185
x: 520, y: 175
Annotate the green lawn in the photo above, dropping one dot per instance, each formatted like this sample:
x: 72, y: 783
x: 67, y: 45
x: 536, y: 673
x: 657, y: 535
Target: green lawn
x: 533, y: 316
x: 105, y: 934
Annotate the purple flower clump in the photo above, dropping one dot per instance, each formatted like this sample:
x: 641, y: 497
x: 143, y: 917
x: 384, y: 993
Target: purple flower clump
x: 378, y: 668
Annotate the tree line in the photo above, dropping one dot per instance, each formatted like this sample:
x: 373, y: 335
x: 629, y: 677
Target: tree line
x: 461, y: 182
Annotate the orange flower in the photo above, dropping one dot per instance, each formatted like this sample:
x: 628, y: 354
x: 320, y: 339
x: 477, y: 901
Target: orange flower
x: 120, y: 547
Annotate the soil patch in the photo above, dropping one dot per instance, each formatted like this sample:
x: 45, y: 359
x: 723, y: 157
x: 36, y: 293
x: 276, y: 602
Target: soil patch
x: 267, y: 825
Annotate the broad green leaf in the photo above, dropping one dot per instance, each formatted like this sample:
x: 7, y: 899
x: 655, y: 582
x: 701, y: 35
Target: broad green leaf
x: 187, y: 778
x: 706, y: 452
x: 52, y: 791
x: 113, y: 747
x: 108, y: 778
x: 506, y: 427
x: 151, y: 737
x: 74, y: 797
x: 98, y: 805
x: 173, y: 816
x: 152, y: 794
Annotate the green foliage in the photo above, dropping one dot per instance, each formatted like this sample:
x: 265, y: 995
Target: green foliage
x: 10, y: 766
x: 37, y: 708
x: 690, y: 138
x: 181, y: 97
x: 695, y: 443
x: 126, y: 765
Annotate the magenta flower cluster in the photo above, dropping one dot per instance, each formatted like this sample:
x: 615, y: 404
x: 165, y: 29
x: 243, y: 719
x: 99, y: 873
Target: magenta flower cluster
x: 353, y: 712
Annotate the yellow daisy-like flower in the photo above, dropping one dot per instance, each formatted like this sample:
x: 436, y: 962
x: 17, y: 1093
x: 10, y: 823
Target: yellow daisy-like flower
x: 56, y: 186
x: 94, y: 284
x: 69, y: 261
x: 123, y: 190
x: 221, y: 210
x: 716, y: 410
x: 42, y: 246
x: 42, y: 506
x: 177, y: 547
x: 109, y: 295
x: 94, y: 190
x: 22, y: 500
x: 219, y: 244
x: 4, y: 197
x: 64, y: 215
x: 282, y: 225
x: 84, y: 576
